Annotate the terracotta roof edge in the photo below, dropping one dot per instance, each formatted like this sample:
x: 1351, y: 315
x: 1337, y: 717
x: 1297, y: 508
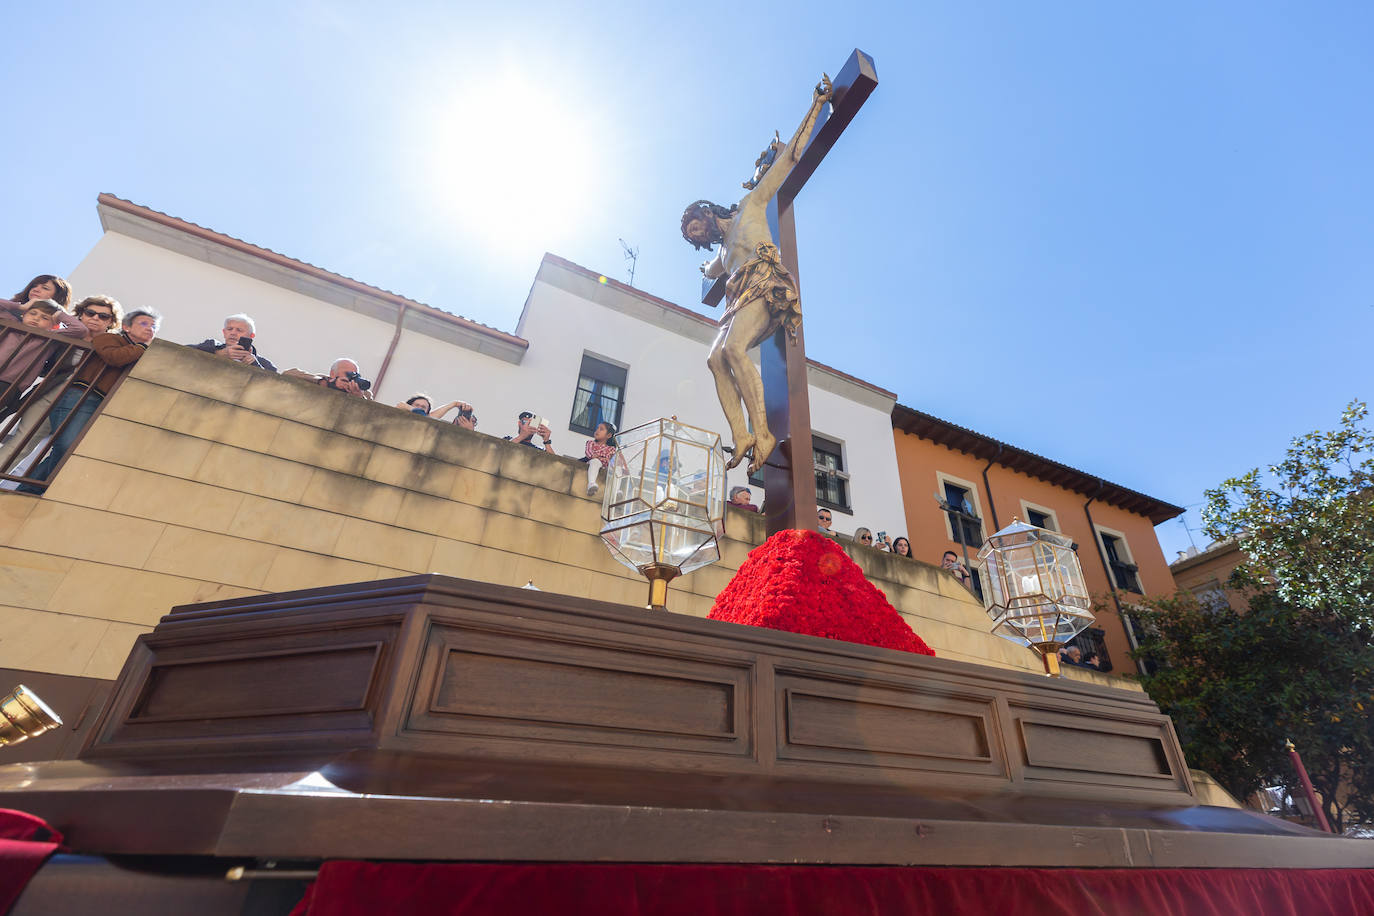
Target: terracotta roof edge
x: 310, y: 270
x: 1158, y: 508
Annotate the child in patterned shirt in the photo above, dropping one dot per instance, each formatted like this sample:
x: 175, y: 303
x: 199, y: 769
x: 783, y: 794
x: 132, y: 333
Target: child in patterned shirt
x: 600, y: 451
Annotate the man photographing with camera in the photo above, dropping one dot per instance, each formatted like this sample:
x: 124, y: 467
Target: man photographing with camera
x: 527, y: 426
x: 343, y: 376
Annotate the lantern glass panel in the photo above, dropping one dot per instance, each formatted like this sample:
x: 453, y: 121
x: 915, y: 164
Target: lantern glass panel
x: 1036, y: 594
x: 665, y: 497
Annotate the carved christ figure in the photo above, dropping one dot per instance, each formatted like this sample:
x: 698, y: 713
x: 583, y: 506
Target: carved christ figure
x: 760, y: 294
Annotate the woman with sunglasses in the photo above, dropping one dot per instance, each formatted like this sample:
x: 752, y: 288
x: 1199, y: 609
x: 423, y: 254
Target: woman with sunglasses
x: 99, y: 314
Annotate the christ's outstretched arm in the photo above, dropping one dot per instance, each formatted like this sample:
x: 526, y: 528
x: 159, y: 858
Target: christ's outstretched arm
x: 772, y: 179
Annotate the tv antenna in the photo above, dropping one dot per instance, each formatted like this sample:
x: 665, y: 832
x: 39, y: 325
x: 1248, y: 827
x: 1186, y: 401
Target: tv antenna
x: 631, y: 255
x: 1183, y: 520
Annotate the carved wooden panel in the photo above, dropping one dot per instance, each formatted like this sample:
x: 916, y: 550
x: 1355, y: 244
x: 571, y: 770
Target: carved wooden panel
x: 328, y: 679
x: 840, y: 721
x: 1130, y: 751
x: 270, y: 684
x: 559, y: 687
x: 1087, y: 749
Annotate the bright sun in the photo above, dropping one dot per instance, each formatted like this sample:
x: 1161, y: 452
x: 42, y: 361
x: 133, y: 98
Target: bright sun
x: 514, y: 164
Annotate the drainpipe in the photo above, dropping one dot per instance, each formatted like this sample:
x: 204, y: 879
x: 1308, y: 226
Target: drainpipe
x: 390, y: 350
x: 987, y: 487
x: 1106, y: 571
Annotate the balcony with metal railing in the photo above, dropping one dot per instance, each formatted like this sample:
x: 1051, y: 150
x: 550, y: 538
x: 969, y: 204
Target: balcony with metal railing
x: 38, y: 369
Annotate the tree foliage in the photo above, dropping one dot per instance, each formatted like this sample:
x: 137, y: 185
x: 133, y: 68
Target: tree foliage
x: 1308, y: 527
x: 1299, y: 664
x: 1238, y: 685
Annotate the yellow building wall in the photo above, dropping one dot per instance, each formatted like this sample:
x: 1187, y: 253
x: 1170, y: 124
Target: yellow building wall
x: 204, y: 480
x: 1212, y: 569
x: 920, y: 463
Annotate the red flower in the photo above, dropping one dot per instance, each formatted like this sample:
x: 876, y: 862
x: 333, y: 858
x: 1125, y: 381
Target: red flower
x: 804, y: 583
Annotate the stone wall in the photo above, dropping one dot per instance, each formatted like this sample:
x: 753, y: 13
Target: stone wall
x: 203, y: 479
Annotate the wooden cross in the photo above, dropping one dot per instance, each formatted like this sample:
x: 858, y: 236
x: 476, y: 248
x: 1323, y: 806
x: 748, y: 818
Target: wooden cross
x: 789, y: 478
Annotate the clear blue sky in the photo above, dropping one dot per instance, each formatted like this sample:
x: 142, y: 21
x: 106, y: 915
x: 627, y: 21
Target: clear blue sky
x: 1164, y: 211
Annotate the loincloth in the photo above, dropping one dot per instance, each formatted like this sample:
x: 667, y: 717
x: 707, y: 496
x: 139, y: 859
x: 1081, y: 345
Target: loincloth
x: 764, y: 278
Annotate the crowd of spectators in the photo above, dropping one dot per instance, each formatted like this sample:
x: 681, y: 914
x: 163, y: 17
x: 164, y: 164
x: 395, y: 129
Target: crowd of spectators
x: 35, y: 371
x: 49, y: 391
x: 864, y: 537
x: 44, y: 379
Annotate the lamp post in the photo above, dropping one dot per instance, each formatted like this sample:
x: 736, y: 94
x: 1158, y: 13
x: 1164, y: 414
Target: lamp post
x: 663, y: 513
x: 1035, y: 596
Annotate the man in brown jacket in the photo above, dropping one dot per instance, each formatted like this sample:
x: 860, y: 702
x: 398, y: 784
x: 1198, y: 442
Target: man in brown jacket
x: 113, y: 353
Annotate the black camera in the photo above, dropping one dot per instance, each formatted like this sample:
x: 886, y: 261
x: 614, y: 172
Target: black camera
x: 245, y: 342
x: 357, y: 378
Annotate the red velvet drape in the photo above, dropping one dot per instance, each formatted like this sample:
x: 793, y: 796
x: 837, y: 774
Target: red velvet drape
x: 25, y: 844
x: 346, y: 888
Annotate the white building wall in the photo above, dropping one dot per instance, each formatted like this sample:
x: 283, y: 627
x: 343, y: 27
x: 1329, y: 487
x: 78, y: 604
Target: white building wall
x: 447, y: 372
x: 304, y: 323
x: 569, y: 313
x: 870, y: 456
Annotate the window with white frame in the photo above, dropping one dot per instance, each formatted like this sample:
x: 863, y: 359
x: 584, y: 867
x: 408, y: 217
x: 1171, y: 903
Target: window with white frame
x: 1039, y: 516
x: 962, y: 510
x: 832, y: 480
x: 600, y: 395
x: 1125, y: 574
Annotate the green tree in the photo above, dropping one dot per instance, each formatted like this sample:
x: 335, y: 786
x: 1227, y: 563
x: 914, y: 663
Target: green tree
x: 1238, y: 685
x: 1299, y: 664
x: 1308, y: 526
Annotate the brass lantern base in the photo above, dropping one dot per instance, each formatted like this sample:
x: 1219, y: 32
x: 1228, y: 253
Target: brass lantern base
x: 659, y: 576
x: 1049, y: 654
x: 23, y: 715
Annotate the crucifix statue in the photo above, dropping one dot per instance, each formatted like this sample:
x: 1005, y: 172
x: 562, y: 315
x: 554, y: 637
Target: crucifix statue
x: 755, y: 271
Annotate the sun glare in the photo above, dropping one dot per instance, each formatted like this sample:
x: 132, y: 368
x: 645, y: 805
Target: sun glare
x: 514, y: 164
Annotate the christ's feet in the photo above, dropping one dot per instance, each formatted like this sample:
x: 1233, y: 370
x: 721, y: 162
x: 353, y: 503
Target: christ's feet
x: 764, y: 443
x: 742, y: 447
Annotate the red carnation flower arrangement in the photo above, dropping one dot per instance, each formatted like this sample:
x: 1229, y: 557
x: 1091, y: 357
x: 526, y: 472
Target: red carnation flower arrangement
x: 804, y: 583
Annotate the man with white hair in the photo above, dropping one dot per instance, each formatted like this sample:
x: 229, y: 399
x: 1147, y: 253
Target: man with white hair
x: 239, y: 332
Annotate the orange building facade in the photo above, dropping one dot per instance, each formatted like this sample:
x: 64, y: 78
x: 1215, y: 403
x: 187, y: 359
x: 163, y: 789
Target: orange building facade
x: 993, y: 483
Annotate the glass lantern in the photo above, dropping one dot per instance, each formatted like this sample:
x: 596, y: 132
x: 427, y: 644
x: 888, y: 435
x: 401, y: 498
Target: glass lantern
x: 663, y: 513
x: 1035, y: 596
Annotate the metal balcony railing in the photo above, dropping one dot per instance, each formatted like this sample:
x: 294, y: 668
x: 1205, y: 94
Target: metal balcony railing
x: 36, y: 369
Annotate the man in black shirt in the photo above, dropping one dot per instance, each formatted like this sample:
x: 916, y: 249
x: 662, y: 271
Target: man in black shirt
x: 526, y: 429
x: 239, y: 332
